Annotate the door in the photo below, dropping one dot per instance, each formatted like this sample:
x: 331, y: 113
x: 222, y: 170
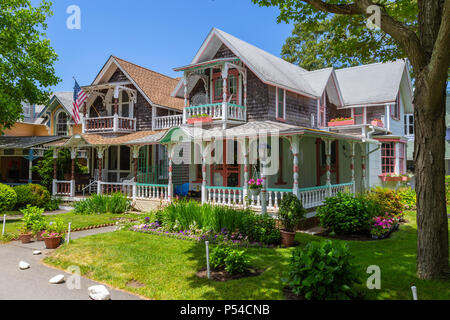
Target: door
x: 227, y: 175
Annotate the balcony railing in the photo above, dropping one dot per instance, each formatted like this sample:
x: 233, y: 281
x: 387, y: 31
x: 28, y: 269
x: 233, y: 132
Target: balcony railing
x: 109, y: 124
x: 167, y: 122
x: 217, y: 111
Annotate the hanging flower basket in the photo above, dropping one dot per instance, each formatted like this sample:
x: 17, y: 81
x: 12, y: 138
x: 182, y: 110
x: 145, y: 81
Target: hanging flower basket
x: 255, y: 186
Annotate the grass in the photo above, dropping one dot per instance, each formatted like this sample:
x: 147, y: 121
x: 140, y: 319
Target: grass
x: 167, y: 267
x: 78, y: 221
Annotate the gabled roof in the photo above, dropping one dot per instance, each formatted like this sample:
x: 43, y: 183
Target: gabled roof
x: 375, y: 83
x: 154, y: 86
x: 63, y: 98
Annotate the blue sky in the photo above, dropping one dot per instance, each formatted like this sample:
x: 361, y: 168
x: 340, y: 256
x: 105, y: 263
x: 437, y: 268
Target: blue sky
x: 159, y: 35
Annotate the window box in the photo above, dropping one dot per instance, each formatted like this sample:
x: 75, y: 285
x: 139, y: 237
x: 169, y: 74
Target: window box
x: 385, y: 178
x: 377, y: 123
x: 341, y: 123
x: 201, y: 119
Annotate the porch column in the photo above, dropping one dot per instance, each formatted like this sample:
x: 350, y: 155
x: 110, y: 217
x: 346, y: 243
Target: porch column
x: 245, y: 94
x: 204, y: 155
x: 55, y: 177
x: 135, y: 150
x: 245, y: 146
x: 352, y: 165
x: 185, y: 83
x: 100, y: 154
x: 328, y: 167
x: 225, y: 96
x: 116, y: 109
x: 30, y: 166
x: 295, y: 151
x: 170, y: 182
x: 73, y: 154
x: 363, y: 167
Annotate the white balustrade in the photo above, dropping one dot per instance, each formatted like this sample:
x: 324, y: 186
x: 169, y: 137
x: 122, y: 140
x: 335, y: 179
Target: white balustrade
x: 109, y: 124
x: 167, y: 122
x: 152, y: 191
x: 112, y: 187
x: 225, y: 196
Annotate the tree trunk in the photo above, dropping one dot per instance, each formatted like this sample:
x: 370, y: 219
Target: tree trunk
x: 432, y: 221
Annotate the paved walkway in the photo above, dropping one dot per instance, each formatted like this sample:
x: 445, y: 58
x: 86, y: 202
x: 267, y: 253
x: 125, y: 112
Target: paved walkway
x: 32, y: 284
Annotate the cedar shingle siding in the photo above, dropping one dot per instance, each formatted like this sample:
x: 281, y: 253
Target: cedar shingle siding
x: 143, y: 113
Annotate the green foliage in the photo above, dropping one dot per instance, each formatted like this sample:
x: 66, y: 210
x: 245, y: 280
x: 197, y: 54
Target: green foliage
x: 387, y: 200
x: 231, y: 260
x: 57, y: 225
x: 320, y: 39
x: 27, y: 59
x: 44, y: 167
x: 322, y: 271
x: 291, y: 212
x: 31, y: 194
x: 33, y: 219
x: 53, y: 204
x: 408, y: 198
x: 190, y: 215
x: 347, y: 214
x: 8, y: 198
x: 98, y: 204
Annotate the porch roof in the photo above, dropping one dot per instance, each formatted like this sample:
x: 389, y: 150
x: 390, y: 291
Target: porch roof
x: 207, y: 64
x: 9, y: 142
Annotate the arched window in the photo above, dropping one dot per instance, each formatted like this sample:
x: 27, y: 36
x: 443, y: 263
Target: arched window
x: 62, y: 127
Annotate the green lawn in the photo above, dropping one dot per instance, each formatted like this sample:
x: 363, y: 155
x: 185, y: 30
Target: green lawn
x: 167, y: 266
x: 78, y: 221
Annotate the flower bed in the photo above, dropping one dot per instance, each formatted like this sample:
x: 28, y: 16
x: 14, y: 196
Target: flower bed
x: 383, y: 227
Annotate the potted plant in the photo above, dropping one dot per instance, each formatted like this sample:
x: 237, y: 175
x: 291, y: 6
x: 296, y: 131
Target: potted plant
x: 377, y: 123
x: 39, y: 228
x: 204, y: 118
x: 54, y: 233
x: 290, y: 214
x: 255, y: 186
x: 25, y: 234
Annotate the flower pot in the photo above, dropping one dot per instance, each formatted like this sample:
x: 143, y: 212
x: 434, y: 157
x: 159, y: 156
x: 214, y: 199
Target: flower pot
x: 377, y: 123
x: 287, y: 238
x: 255, y: 192
x: 52, y: 243
x: 39, y: 236
x: 26, y: 238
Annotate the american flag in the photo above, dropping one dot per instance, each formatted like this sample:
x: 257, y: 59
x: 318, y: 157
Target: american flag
x: 79, y: 97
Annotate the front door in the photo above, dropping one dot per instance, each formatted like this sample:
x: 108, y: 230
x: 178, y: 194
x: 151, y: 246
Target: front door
x: 227, y: 175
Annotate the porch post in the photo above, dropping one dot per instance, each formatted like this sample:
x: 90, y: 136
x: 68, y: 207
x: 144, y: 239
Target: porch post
x: 30, y: 166
x: 135, y: 150
x: 246, y: 168
x: 170, y: 182
x: 185, y: 98
x: 352, y: 166
x: 204, y: 154
x: 363, y: 167
x: 55, y: 177
x: 73, y: 154
x: 295, y: 151
x: 116, y: 109
x: 328, y: 167
x: 245, y: 95
x: 100, y: 154
x: 225, y: 95
x: 263, y: 190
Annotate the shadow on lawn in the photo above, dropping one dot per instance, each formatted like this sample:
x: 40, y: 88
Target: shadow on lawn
x: 265, y: 286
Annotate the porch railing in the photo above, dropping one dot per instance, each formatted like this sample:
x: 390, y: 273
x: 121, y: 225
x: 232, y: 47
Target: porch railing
x: 109, y: 124
x: 112, y: 187
x: 167, y: 122
x: 62, y: 188
x: 225, y: 196
x: 152, y: 191
x: 217, y: 111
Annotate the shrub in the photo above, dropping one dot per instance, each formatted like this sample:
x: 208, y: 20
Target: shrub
x: 231, y: 260
x: 347, y: 214
x: 408, y: 198
x: 53, y: 204
x: 98, y: 204
x: 387, y: 200
x: 33, y: 218
x: 57, y: 225
x: 322, y: 270
x: 8, y: 198
x: 260, y: 228
x: 33, y: 195
x: 291, y: 212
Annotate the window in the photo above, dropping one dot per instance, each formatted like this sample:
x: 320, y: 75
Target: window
x: 281, y: 104
x: 62, y: 124
x: 395, y: 109
x: 232, y: 86
x: 26, y: 110
x: 401, y: 157
x: 218, y: 88
x: 358, y: 115
x: 322, y: 117
x: 409, y: 125
x: 388, y: 158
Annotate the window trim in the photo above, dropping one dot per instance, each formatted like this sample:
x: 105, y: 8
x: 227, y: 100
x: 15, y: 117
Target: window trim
x: 408, y: 123
x: 395, y: 109
x: 277, y: 104
x: 394, y: 157
x: 57, y: 114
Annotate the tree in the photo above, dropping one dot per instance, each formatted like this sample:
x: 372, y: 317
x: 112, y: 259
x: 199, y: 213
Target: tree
x: 426, y: 43
x: 26, y: 58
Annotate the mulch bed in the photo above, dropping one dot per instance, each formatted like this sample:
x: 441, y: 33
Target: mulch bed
x: 222, y: 275
x: 360, y: 237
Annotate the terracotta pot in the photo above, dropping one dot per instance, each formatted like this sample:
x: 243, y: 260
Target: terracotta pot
x: 26, y: 238
x: 287, y: 238
x: 39, y: 236
x: 52, y: 243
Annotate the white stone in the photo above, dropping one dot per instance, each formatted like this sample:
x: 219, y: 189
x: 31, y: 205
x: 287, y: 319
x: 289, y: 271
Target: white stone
x: 99, y: 293
x: 24, y: 265
x: 37, y: 252
x: 57, y: 279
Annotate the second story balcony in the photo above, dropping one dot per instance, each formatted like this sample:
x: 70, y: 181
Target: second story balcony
x: 116, y: 124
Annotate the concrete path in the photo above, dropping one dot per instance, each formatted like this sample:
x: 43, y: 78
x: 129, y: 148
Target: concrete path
x: 32, y: 284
